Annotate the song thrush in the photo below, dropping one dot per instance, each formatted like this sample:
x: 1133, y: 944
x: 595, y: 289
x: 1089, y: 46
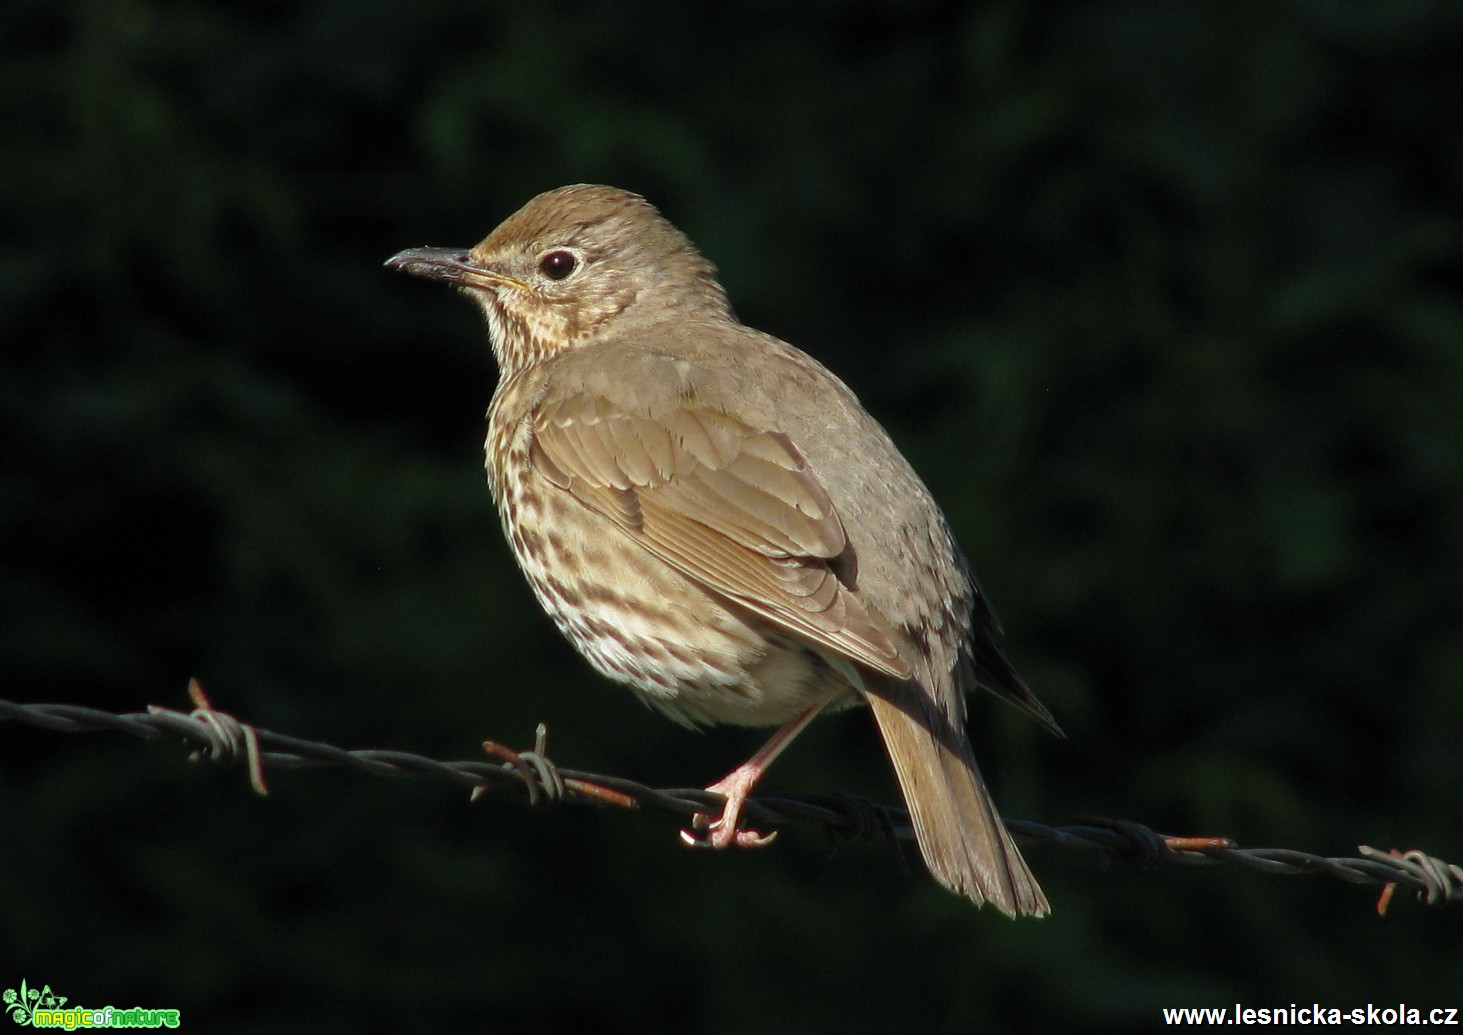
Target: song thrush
x: 710, y: 516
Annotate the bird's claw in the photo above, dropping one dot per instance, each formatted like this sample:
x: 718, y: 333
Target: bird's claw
x: 753, y: 839
x: 725, y: 830
x: 718, y: 836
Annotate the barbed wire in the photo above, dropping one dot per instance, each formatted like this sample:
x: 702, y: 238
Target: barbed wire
x: 224, y: 739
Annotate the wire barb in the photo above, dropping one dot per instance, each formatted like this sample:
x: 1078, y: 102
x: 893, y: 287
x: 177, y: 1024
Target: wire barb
x: 223, y: 739
x: 229, y: 737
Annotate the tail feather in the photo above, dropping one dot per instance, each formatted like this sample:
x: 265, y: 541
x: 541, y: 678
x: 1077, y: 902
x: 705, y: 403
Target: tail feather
x: 962, y: 839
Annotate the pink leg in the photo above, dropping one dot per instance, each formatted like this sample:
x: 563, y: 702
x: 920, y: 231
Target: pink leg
x: 737, y: 785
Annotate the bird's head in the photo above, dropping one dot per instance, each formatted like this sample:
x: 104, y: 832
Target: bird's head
x: 569, y: 267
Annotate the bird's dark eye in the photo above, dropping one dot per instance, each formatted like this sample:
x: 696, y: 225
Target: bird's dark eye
x: 557, y: 265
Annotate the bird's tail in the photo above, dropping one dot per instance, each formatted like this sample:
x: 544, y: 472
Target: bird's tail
x: 962, y: 839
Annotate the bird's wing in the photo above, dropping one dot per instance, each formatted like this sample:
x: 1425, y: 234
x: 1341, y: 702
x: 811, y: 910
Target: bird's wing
x: 732, y: 506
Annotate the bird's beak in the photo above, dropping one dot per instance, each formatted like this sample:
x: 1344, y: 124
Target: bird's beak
x: 453, y: 265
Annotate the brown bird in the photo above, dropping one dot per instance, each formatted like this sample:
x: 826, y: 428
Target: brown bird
x: 710, y: 516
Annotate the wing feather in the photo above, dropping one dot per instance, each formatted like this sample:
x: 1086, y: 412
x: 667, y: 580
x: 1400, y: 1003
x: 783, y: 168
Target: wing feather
x: 732, y: 506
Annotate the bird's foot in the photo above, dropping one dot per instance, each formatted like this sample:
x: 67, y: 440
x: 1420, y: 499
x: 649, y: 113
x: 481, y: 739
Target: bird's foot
x: 723, y: 832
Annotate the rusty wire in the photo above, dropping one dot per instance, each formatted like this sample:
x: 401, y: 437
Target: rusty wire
x: 224, y: 739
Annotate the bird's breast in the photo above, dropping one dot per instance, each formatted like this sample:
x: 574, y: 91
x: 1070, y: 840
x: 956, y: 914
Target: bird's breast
x: 684, y: 648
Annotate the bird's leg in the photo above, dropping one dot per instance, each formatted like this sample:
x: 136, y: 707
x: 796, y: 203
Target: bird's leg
x: 737, y: 785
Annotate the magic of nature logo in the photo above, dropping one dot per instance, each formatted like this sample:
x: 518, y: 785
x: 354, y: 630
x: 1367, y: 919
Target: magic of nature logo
x: 43, y: 1008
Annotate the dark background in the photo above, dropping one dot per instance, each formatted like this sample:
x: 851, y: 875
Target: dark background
x: 1161, y: 299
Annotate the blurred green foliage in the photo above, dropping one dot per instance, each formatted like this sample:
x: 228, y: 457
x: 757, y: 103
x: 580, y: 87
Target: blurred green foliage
x: 1163, y: 299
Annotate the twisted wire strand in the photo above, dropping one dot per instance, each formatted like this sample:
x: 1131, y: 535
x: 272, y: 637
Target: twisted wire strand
x: 224, y: 739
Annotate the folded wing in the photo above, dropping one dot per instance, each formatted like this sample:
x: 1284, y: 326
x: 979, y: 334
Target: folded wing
x: 732, y: 506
